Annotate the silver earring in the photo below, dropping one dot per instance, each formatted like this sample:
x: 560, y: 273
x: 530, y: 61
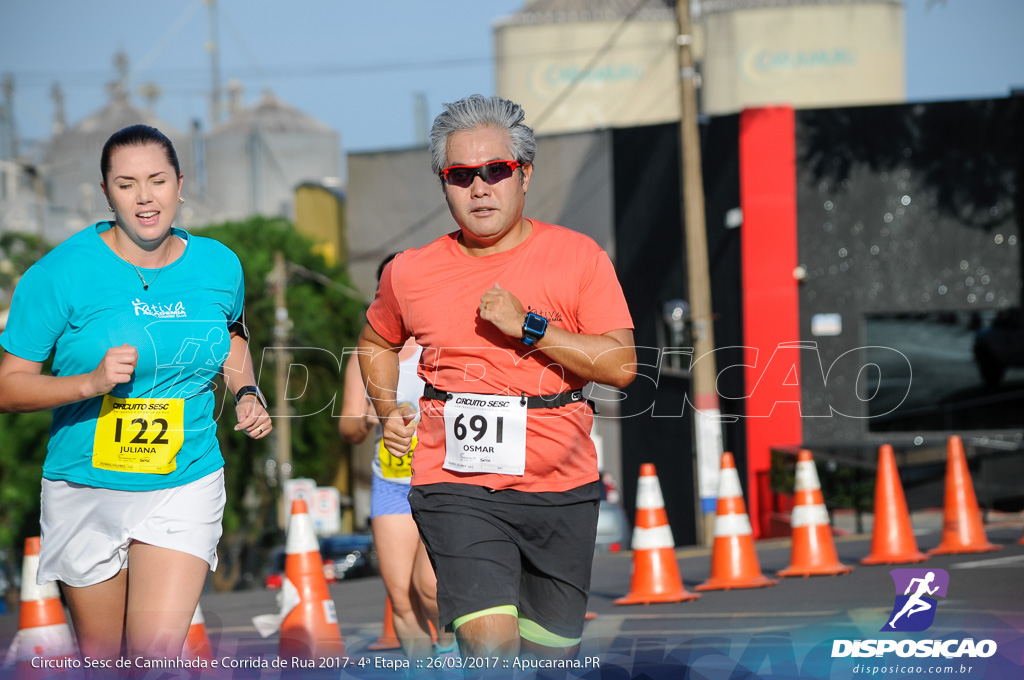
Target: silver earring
x: 110, y: 208
x: 181, y: 201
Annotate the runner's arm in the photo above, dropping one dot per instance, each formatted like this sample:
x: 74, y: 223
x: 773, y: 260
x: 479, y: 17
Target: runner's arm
x: 237, y: 370
x: 378, y: 361
x: 606, y: 359
x: 609, y: 359
x: 24, y: 387
x: 357, y: 417
x: 238, y: 373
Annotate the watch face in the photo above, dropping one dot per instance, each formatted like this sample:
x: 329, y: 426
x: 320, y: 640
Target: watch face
x: 535, y: 324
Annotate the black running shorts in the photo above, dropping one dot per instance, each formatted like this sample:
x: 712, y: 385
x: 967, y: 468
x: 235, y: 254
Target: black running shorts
x: 491, y: 548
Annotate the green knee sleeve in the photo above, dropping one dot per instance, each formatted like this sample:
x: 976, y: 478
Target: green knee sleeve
x: 539, y: 635
x: 509, y: 609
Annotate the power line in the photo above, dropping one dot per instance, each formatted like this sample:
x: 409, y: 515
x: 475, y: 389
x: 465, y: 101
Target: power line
x: 92, y: 77
x: 324, y: 281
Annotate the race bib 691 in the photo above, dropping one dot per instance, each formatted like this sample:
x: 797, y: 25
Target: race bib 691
x: 485, y: 433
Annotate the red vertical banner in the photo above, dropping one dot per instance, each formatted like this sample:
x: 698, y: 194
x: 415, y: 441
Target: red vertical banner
x: 771, y: 308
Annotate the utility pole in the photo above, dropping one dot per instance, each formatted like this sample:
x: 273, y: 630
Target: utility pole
x: 8, y: 126
x: 421, y: 118
x: 707, y: 420
x: 282, y: 361
x: 59, y: 116
x: 214, y: 49
x: 39, y: 185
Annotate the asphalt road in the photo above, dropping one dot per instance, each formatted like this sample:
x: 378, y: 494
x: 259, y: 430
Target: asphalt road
x: 785, y: 631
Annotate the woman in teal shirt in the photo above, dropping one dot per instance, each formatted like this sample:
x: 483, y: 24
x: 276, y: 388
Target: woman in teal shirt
x: 140, y: 317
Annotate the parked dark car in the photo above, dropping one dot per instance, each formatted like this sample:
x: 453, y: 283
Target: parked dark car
x: 345, y: 556
x: 1000, y: 345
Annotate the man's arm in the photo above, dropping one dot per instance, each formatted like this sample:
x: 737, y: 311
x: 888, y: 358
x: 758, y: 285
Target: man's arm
x: 604, y: 359
x: 607, y: 359
x: 378, y: 361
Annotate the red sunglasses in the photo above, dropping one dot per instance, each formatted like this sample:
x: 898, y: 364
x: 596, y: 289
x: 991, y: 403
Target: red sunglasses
x: 491, y: 172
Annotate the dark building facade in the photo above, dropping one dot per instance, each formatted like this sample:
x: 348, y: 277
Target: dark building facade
x: 879, y: 250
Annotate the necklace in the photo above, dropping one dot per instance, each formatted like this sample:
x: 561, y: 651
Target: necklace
x: 145, y: 284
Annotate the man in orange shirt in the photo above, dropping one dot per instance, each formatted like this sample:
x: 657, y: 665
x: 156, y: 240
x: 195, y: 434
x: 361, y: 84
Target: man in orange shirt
x: 515, y: 317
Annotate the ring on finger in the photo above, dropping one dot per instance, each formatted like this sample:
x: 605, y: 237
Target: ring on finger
x: 260, y: 429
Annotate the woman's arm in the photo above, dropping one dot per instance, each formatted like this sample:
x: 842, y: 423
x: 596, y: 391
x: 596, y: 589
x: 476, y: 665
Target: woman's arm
x: 24, y: 388
x: 238, y: 373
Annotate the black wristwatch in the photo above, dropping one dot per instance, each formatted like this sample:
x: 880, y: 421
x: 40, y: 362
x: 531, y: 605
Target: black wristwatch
x: 251, y: 389
x: 533, y: 328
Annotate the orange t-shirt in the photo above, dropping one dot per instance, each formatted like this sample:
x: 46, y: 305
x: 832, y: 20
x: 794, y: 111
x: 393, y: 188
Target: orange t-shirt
x: 433, y: 293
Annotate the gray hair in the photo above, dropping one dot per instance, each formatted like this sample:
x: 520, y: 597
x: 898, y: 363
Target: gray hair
x: 477, y: 111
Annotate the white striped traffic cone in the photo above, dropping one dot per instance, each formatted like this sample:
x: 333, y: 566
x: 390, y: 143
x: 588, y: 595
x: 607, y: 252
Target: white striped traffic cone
x: 734, y: 561
x: 308, y: 620
x: 311, y: 629
x: 197, y: 642
x: 43, y: 631
x: 813, y: 552
x: 655, y: 570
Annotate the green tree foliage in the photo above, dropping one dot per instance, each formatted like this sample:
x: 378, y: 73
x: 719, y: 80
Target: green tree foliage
x: 18, y: 252
x: 325, y: 319
x: 24, y: 436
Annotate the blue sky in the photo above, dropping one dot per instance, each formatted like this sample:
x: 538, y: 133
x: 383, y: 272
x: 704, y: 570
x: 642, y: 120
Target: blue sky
x: 357, y: 65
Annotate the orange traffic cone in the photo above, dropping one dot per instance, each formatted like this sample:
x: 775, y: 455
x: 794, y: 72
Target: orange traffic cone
x: 197, y: 642
x: 310, y: 629
x: 892, y: 537
x: 962, y: 528
x: 389, y: 638
x: 43, y: 631
x: 813, y: 552
x: 655, y: 570
x: 734, y: 561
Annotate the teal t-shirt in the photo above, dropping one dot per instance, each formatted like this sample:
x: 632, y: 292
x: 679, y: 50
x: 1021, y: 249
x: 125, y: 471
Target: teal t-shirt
x: 80, y: 300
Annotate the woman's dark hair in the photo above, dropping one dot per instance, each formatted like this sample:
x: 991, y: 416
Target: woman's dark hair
x: 384, y: 263
x: 138, y: 135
